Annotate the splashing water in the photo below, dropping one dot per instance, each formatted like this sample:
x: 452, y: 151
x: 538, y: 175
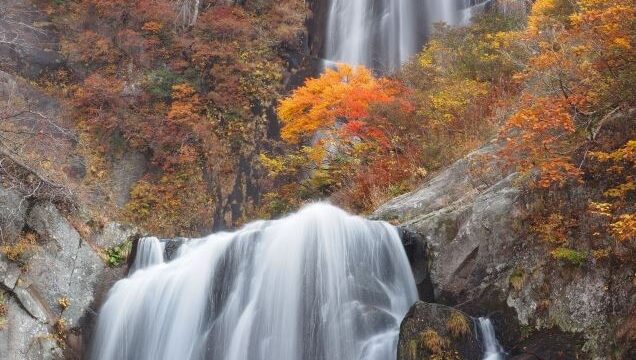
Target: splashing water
x: 492, y: 348
x: 317, y: 285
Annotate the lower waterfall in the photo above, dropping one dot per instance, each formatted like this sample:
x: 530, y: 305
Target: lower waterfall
x: 319, y: 284
x: 492, y: 349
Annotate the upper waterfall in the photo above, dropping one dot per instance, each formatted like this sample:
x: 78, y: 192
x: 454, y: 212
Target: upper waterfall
x: 385, y: 33
x: 317, y: 285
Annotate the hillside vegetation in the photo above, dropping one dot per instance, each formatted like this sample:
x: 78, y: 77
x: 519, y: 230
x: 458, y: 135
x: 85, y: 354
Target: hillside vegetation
x: 554, y: 89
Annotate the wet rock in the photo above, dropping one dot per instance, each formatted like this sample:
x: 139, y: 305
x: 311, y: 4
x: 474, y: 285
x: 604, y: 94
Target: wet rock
x: 550, y: 344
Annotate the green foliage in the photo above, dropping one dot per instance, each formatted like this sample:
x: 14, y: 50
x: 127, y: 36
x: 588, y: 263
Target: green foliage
x: 569, y: 256
x: 158, y: 83
x: 117, y: 255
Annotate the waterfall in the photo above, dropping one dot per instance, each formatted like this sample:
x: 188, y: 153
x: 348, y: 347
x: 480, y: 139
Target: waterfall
x: 383, y: 34
x: 149, y: 252
x: 319, y: 284
x: 492, y: 349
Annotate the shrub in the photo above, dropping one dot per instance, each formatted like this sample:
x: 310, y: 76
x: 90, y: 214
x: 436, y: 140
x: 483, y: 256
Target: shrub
x: 432, y: 341
x: 516, y: 279
x: 457, y: 325
x: 159, y: 83
x: 22, y: 250
x: 64, y: 302
x: 115, y: 256
x: 3, y: 310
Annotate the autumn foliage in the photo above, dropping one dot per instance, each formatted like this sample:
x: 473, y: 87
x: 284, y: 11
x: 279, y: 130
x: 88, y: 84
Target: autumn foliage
x: 343, y: 94
x: 189, y: 90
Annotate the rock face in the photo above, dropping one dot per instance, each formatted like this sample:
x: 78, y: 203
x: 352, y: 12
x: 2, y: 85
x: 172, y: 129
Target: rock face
x: 470, y: 249
x: 12, y: 214
x: 426, y: 324
x: 28, y: 43
x: 50, y: 286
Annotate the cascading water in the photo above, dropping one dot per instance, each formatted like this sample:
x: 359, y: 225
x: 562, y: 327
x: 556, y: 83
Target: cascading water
x: 149, y: 252
x: 385, y: 33
x: 376, y: 33
x: 492, y: 349
x: 317, y: 285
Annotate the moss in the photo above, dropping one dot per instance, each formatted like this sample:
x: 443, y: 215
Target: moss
x: 517, y: 278
x: 569, y: 256
x: 412, y: 349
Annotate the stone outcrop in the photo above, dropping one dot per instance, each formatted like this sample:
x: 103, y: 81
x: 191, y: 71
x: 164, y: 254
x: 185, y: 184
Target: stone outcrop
x: 469, y: 246
x: 29, y: 44
x: 50, y: 287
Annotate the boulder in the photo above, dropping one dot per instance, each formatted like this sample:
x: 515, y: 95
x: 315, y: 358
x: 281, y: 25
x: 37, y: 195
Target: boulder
x: 426, y: 332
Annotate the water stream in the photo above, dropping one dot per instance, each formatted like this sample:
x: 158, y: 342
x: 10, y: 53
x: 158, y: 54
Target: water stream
x: 492, y: 349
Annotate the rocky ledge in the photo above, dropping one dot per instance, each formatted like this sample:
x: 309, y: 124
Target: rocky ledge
x: 466, y: 235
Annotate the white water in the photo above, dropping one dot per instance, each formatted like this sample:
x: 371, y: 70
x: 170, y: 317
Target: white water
x: 149, y: 252
x: 317, y: 285
x: 492, y: 349
x: 385, y: 33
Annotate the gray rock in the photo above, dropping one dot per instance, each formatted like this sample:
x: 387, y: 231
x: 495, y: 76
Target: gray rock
x: 13, y: 207
x: 464, y: 220
x: 468, y: 225
x: 114, y: 234
x: 45, y: 219
x: 62, y: 266
x: 65, y: 266
x: 29, y: 43
x: 9, y: 272
x: 31, y: 302
x: 45, y: 348
x: 19, y: 331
